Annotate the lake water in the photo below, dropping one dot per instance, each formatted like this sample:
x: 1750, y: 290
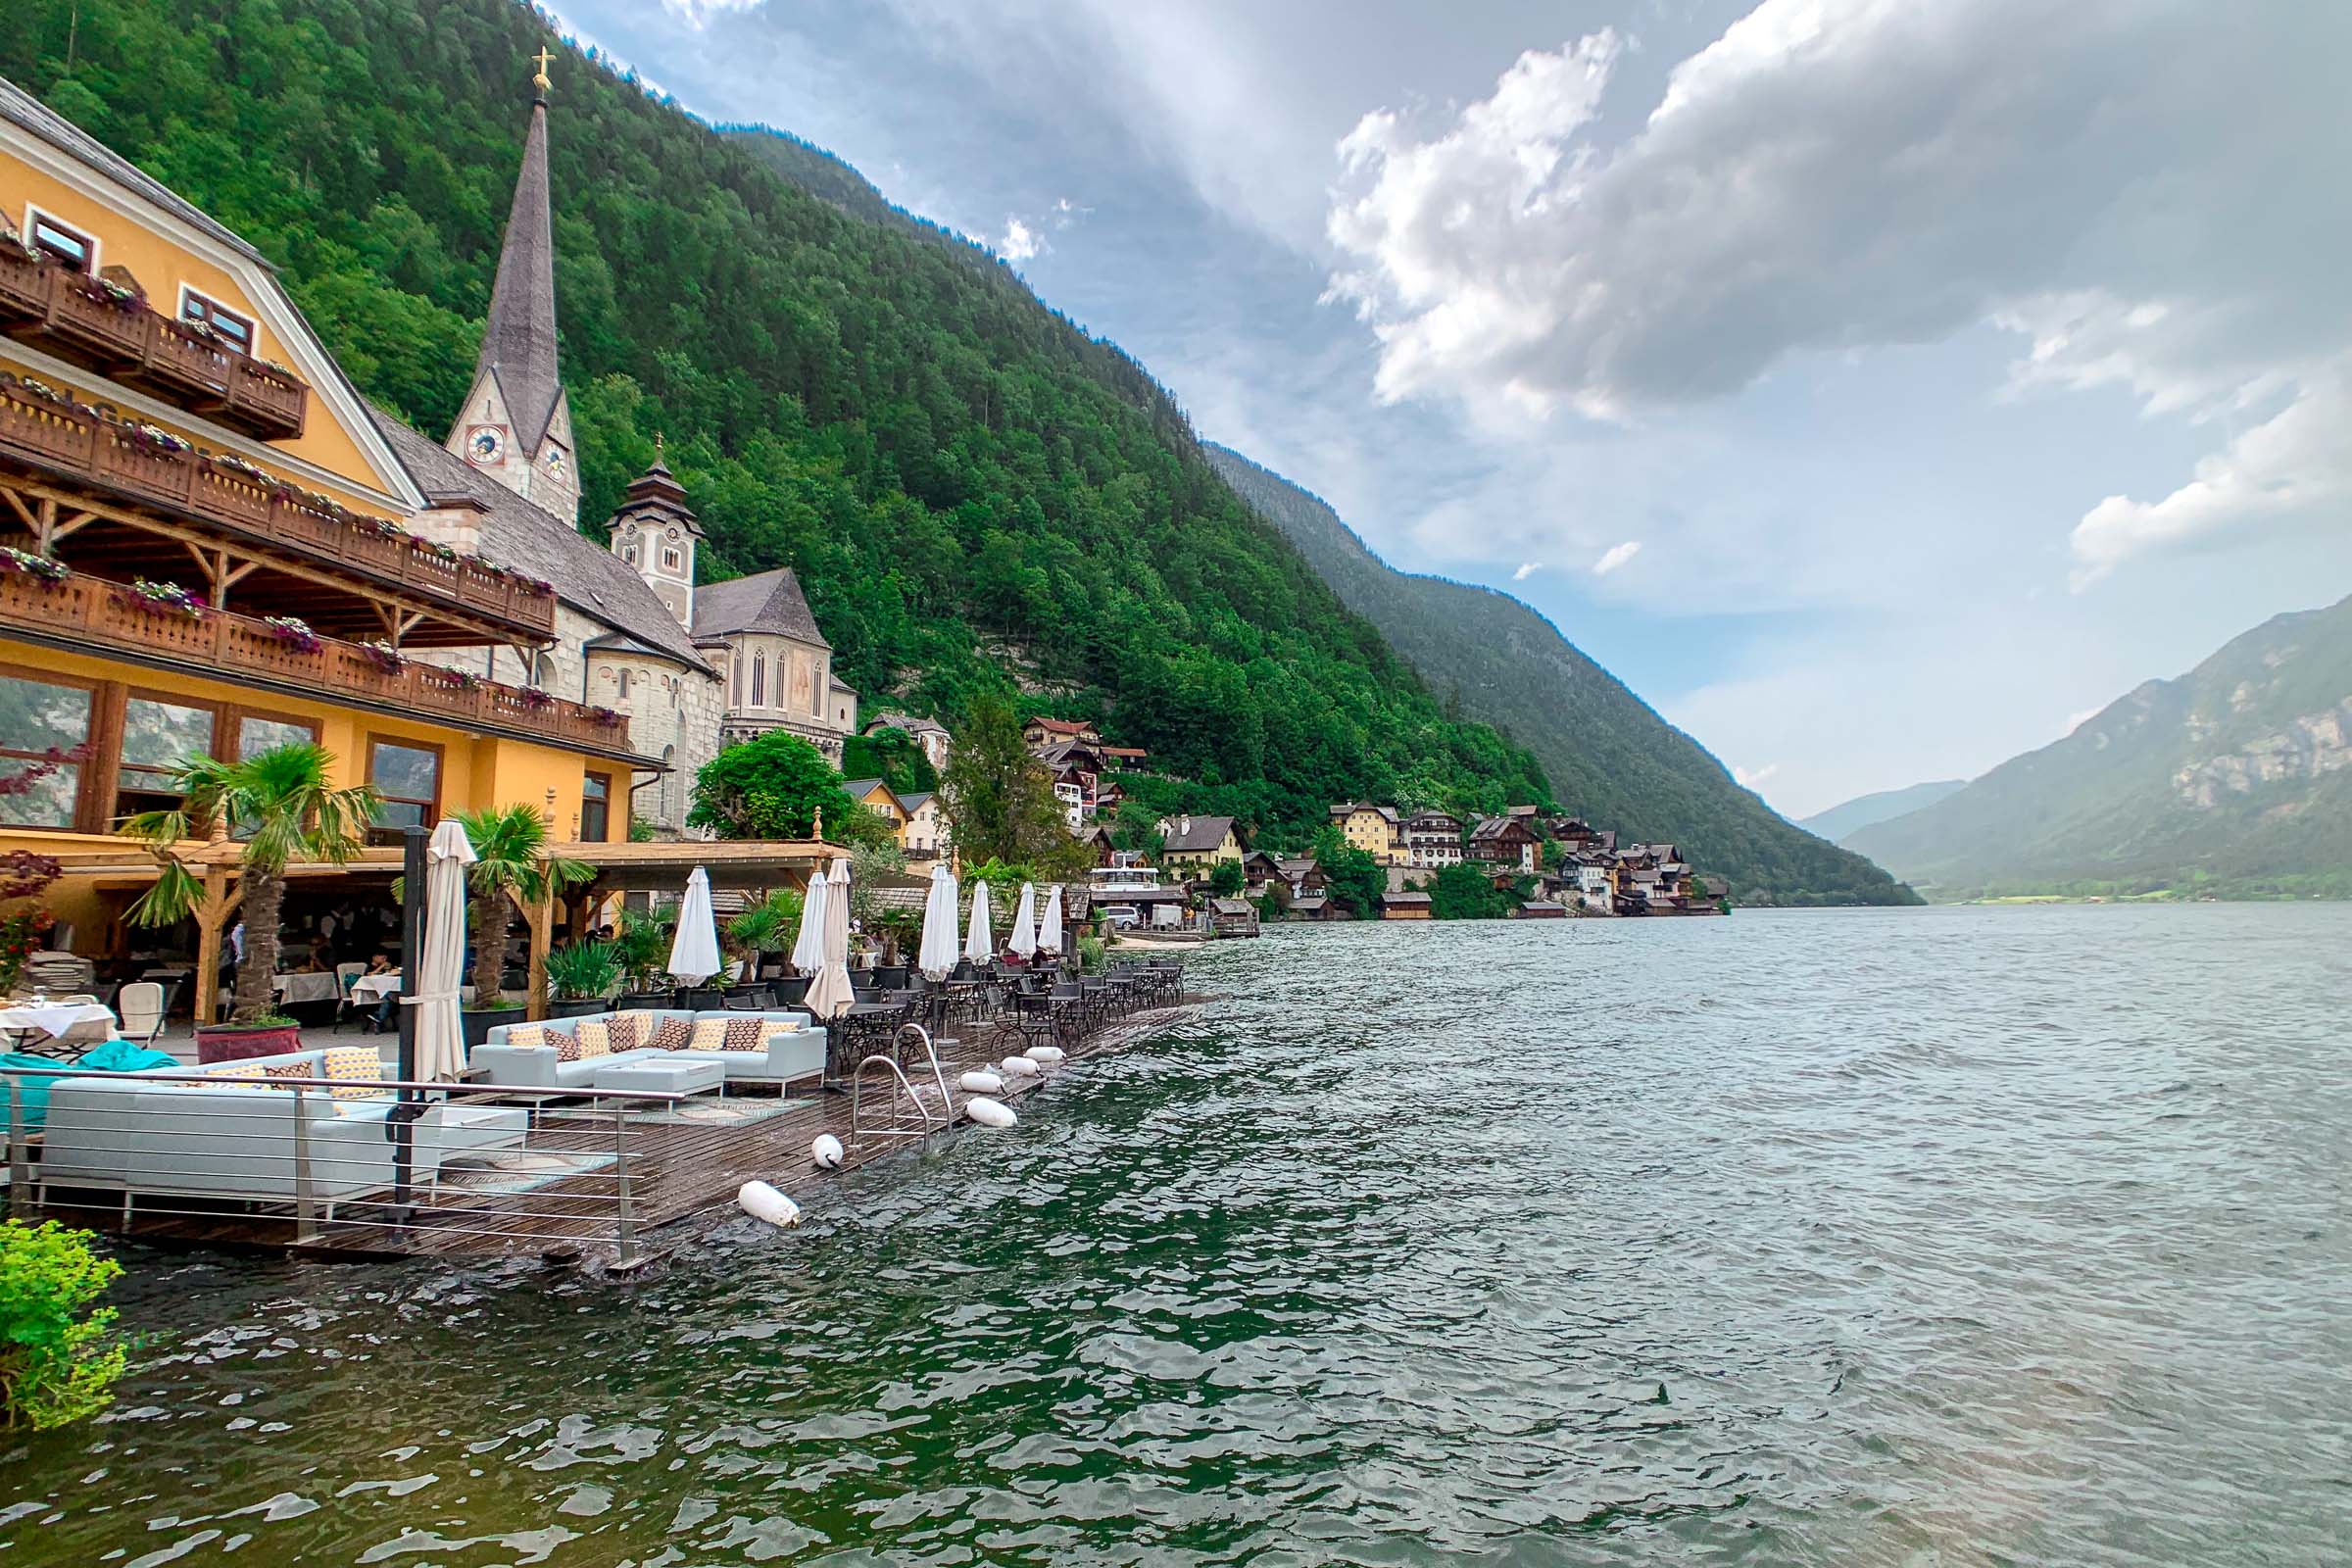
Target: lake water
x: 1896, y: 1237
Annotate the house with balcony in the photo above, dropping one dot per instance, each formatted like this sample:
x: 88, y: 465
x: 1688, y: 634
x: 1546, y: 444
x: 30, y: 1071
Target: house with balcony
x: 214, y: 547
x: 1431, y: 840
x: 1504, y: 844
x: 1370, y: 828
x: 1194, y: 845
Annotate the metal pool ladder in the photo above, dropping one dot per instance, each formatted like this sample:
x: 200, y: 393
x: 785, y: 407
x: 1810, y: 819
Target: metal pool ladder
x: 929, y: 1121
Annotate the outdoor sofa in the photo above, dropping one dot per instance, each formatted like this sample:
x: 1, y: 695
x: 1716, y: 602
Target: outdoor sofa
x: 534, y: 1056
x: 228, y: 1130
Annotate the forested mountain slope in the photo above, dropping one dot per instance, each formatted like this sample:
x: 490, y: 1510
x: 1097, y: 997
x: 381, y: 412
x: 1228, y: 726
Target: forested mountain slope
x: 1841, y: 821
x: 2234, y: 779
x: 1608, y: 754
x: 955, y: 471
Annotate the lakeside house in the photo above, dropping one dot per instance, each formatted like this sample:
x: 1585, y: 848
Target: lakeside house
x: 1432, y: 840
x: 1404, y: 906
x: 1506, y: 843
x: 1368, y: 827
x: 1196, y: 844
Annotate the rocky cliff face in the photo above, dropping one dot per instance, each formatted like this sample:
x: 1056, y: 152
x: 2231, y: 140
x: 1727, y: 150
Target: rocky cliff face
x: 2235, y: 778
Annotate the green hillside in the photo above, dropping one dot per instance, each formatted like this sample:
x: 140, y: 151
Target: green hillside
x: 1608, y: 754
x: 2234, y: 779
x: 1841, y: 821
x: 968, y: 482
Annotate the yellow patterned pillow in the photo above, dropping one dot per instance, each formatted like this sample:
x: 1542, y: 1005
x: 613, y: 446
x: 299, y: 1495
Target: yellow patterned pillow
x: 233, y: 1072
x: 709, y: 1034
x: 627, y: 1030
x: 592, y: 1038
x: 526, y: 1035
x: 352, y: 1064
x: 769, y: 1027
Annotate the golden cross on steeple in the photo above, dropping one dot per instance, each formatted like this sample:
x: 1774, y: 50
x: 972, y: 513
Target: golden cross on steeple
x: 540, y: 80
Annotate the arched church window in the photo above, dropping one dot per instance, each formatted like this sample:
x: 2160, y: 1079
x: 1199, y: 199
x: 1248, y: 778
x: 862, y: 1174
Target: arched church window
x: 759, y: 680
x: 670, y: 785
x: 624, y: 685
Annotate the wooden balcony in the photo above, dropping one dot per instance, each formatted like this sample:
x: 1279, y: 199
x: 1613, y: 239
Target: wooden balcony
x: 91, y: 613
x: 184, y: 483
x: 56, y: 308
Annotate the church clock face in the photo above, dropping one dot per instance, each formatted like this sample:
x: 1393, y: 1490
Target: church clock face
x: 556, y: 462
x: 486, y: 443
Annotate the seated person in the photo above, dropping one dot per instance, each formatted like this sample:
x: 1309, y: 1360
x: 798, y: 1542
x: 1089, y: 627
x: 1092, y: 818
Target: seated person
x: 322, y: 956
x: 382, y: 963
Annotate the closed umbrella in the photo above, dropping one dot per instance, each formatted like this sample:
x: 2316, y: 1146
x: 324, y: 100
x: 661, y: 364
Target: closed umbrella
x: 981, y: 944
x: 433, y: 983
x: 830, y: 997
x: 937, y: 955
x: 809, y: 947
x: 694, y: 952
x: 1023, y: 941
x: 1048, y: 924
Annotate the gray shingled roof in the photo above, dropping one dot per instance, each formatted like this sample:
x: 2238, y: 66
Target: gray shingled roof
x: 764, y: 601
x: 1207, y: 832
x: 514, y: 533
x: 519, y: 340
x: 20, y: 108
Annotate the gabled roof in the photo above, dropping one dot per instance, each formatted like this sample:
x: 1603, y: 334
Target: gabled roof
x: 1060, y: 726
x: 1408, y: 898
x: 515, y: 533
x: 917, y: 800
x: 1490, y: 828
x: 764, y: 601
x: 22, y: 109
x: 1347, y: 808
x: 1205, y: 834
x: 905, y: 721
x: 857, y: 789
x: 519, y: 340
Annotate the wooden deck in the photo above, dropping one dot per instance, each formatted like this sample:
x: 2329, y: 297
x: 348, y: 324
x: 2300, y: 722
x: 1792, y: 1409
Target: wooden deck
x: 673, y: 1169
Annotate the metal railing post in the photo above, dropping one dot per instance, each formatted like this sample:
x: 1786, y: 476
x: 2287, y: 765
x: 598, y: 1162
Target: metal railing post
x: 306, y: 1218
x: 20, y: 1152
x: 625, y: 1216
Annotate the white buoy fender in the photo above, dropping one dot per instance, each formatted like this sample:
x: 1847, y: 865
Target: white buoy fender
x: 826, y: 1151
x: 1020, y: 1067
x: 763, y: 1202
x: 989, y: 1112
x: 981, y: 1082
x: 1051, y: 1055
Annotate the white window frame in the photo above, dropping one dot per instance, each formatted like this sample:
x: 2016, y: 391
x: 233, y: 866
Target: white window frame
x: 253, y: 322
x: 97, y: 245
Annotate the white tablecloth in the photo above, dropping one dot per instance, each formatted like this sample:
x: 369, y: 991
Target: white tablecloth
x: 375, y: 987
x: 55, y: 1018
x: 305, y: 987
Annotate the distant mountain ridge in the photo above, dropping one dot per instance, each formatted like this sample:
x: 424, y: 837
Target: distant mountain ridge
x: 2234, y: 779
x: 1608, y: 754
x: 1840, y: 823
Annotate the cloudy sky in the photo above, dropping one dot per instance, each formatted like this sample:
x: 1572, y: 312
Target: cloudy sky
x: 1877, y: 386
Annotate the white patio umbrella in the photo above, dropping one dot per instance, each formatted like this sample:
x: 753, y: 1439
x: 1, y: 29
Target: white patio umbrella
x: 694, y: 952
x: 1023, y: 940
x: 830, y: 997
x: 809, y: 947
x: 981, y: 944
x: 432, y: 985
x: 937, y: 954
x: 1048, y: 924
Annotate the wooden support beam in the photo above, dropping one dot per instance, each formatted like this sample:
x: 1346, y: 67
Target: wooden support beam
x: 212, y: 920
x: 24, y: 514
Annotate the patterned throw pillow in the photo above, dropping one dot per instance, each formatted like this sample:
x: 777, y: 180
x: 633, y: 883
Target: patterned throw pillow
x: 232, y: 1074
x: 527, y: 1036
x: 781, y: 1026
x: 744, y: 1034
x: 296, y: 1070
x: 672, y: 1034
x: 627, y: 1030
x: 568, y: 1047
x: 709, y: 1034
x: 590, y: 1037
x: 346, y: 1064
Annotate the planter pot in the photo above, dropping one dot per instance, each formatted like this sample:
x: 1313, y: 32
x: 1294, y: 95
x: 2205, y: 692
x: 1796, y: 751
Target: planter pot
x: 792, y: 989
x: 227, y: 1042
x: 479, y: 1021
x: 577, y: 1007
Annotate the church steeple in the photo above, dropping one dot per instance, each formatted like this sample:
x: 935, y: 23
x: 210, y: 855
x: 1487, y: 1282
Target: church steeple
x: 517, y: 422
x: 657, y: 533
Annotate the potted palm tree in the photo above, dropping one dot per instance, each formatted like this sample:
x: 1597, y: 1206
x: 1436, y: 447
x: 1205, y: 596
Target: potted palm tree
x: 511, y: 866
x: 763, y: 928
x: 284, y: 811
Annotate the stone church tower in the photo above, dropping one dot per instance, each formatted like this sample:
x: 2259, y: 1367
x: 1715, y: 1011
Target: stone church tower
x: 515, y: 423
x: 656, y: 532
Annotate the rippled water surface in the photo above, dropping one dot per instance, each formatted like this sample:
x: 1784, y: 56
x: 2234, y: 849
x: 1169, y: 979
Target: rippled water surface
x: 1957, y: 1235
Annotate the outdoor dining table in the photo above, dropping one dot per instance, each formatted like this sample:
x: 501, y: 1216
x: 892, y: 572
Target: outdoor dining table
x: 50, y: 1020
x: 304, y: 985
x: 375, y: 987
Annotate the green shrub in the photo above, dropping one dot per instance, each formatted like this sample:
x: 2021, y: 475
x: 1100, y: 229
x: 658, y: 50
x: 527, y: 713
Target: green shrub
x: 1089, y: 954
x: 58, y: 1362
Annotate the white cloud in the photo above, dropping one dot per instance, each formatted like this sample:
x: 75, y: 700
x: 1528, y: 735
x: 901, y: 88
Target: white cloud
x: 1754, y: 780
x: 1019, y: 242
x: 697, y: 14
x: 1616, y: 555
x: 1839, y: 174
x: 1527, y: 570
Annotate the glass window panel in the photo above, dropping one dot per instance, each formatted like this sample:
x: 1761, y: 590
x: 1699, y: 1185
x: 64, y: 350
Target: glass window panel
x: 47, y: 802
x: 162, y: 735
x: 257, y: 735
x: 35, y: 715
x: 400, y: 814
x: 404, y: 771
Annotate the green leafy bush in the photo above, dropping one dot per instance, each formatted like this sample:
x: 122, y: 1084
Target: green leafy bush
x: 58, y: 1362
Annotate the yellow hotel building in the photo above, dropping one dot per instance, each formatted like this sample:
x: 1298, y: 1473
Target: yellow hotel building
x: 167, y: 416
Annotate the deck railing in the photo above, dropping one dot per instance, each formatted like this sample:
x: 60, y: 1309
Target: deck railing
x: 105, y: 615
x: 76, y: 318
x: 77, y: 445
